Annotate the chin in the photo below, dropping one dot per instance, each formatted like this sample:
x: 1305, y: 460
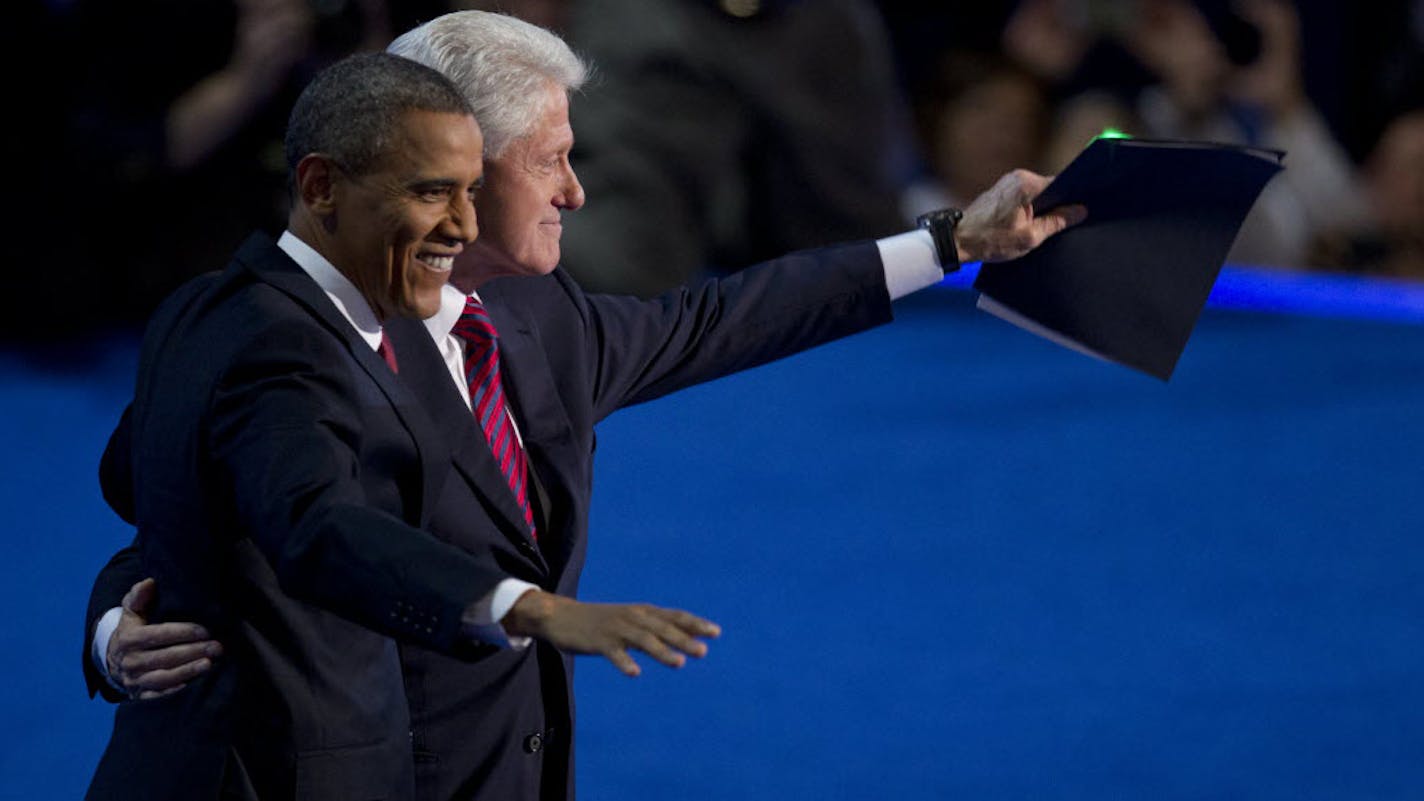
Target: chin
x: 420, y: 308
x: 546, y: 264
x: 532, y: 268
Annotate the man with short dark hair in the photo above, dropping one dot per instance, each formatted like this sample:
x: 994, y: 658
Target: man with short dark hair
x: 284, y: 469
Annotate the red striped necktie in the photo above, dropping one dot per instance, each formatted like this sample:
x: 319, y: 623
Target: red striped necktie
x: 487, y: 399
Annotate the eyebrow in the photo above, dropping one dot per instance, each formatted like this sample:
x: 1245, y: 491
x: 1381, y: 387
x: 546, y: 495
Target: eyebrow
x: 431, y: 183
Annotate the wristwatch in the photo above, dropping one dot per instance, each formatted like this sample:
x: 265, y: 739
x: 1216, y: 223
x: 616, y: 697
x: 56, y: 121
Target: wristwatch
x: 941, y: 224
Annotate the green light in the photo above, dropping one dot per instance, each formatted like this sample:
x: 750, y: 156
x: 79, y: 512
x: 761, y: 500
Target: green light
x: 1112, y: 133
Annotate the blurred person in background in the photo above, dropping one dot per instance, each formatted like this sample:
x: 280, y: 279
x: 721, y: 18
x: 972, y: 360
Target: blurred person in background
x: 717, y: 134
x: 978, y: 116
x: 185, y: 98
x: 1391, y: 241
x: 1219, y: 72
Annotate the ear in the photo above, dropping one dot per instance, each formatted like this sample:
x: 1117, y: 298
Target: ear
x: 317, y: 177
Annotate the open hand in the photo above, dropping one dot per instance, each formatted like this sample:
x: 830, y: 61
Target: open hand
x: 667, y: 635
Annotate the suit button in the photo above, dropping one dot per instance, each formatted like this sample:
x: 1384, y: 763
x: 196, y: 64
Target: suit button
x: 533, y: 743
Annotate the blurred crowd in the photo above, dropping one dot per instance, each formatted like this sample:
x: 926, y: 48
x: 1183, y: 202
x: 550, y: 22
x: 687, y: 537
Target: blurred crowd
x: 1340, y: 90
x: 715, y: 132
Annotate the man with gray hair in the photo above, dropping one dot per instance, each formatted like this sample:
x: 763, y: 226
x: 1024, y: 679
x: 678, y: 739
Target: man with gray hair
x: 499, y: 725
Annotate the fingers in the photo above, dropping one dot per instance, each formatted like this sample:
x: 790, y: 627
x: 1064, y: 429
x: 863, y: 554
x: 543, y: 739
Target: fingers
x: 140, y: 597
x: 653, y: 645
x: 692, y: 624
x: 679, y: 630
x: 667, y: 634
x: 146, y: 695
x: 157, y: 683
x: 1027, y: 184
x: 161, y: 635
x: 140, y: 662
x: 1051, y: 222
x: 624, y: 662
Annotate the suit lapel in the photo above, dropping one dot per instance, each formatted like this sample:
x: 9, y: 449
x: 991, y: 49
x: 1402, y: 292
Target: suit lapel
x: 269, y: 263
x: 543, y: 423
x: 425, y: 370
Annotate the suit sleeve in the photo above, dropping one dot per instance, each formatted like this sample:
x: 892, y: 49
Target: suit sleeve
x: 116, y: 468
x: 284, y: 434
x: 642, y: 350
x: 124, y: 568
x: 113, y: 582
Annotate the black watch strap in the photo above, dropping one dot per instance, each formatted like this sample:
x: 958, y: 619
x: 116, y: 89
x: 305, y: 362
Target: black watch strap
x: 941, y: 224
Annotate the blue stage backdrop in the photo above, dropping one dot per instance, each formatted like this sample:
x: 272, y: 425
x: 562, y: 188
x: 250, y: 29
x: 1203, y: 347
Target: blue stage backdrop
x: 951, y: 561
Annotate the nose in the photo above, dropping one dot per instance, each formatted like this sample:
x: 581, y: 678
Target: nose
x: 462, y: 222
x: 571, y: 194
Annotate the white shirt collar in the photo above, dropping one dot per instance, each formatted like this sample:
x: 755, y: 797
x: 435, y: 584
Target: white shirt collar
x: 452, y: 305
x: 343, y: 293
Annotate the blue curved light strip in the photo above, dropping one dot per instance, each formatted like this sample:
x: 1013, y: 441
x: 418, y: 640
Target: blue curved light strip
x: 1295, y: 292
x: 1321, y: 294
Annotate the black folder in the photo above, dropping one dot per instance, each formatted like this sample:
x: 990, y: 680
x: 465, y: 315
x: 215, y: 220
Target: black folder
x: 1129, y: 282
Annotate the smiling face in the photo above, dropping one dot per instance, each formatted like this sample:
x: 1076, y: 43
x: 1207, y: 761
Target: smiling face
x: 396, y: 229
x: 526, y: 189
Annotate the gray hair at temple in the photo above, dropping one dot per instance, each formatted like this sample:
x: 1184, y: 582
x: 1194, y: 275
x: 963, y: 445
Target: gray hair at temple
x: 350, y: 112
x: 501, y: 63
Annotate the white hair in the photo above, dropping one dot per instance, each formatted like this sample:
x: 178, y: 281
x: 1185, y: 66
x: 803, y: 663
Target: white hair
x: 502, y: 64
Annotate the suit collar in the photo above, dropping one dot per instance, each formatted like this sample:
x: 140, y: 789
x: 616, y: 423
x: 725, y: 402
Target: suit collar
x: 527, y: 380
x: 338, y: 288
x: 452, y: 305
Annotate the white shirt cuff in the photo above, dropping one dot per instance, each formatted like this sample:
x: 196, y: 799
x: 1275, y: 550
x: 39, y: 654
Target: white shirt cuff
x: 99, y: 647
x: 909, y: 261
x: 493, y: 607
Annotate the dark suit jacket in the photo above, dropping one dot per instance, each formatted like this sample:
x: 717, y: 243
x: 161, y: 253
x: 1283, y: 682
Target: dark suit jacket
x: 282, y: 474
x: 499, y: 725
